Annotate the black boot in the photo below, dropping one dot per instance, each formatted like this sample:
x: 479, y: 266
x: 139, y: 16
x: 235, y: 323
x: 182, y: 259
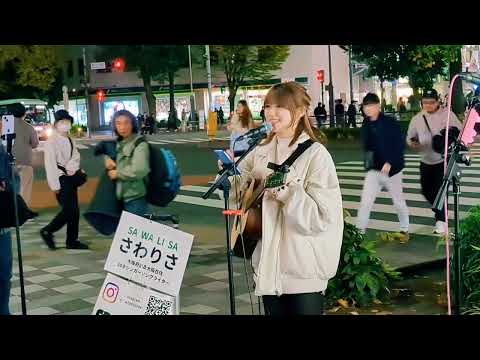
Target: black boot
x: 48, y: 238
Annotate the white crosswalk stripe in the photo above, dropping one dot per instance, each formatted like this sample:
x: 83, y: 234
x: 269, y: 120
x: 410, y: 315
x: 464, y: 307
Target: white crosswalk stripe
x: 351, y: 175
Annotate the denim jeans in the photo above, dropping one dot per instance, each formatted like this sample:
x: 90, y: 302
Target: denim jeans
x: 5, y: 270
x: 138, y: 206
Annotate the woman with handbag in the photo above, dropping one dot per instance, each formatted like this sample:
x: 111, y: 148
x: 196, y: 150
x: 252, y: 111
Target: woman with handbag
x: 301, y: 216
x: 64, y: 176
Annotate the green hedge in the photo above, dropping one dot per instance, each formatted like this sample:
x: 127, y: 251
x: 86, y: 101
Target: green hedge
x: 469, y: 233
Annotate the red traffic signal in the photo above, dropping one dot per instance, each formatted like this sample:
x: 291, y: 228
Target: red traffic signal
x: 321, y: 75
x: 100, y: 95
x: 118, y: 65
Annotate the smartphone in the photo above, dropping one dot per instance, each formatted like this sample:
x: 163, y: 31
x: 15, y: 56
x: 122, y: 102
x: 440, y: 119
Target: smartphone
x: 223, y: 156
x: 8, y: 127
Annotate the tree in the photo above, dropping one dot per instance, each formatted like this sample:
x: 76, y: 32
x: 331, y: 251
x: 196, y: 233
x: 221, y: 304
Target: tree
x: 153, y: 62
x: 430, y: 61
x: 248, y: 62
x: 31, y: 67
x: 387, y: 62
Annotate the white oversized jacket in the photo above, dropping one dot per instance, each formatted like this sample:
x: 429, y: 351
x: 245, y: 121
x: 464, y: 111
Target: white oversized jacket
x: 302, y: 224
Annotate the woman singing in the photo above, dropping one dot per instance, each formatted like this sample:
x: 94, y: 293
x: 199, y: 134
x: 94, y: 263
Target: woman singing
x: 302, y: 218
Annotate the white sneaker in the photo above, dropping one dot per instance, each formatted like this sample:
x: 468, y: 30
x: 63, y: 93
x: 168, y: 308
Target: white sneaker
x: 440, y: 227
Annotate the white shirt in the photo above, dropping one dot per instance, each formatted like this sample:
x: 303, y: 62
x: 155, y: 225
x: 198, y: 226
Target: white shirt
x: 436, y: 121
x: 58, y: 151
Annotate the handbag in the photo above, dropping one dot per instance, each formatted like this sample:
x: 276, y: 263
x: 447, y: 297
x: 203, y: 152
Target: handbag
x: 80, y: 177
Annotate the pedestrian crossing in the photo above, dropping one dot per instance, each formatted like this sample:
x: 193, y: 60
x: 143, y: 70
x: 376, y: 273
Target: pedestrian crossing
x: 384, y: 215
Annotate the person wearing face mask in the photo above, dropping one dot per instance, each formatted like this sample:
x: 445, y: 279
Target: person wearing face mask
x: 423, y: 127
x: 62, y: 161
x: 302, y: 215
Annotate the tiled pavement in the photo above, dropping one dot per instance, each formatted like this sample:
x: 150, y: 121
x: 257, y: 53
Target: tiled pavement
x: 67, y: 281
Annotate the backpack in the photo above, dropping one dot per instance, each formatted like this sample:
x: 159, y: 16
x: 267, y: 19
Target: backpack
x: 164, y: 179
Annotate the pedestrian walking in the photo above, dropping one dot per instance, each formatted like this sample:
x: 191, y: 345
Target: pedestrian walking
x: 423, y: 127
x: 62, y: 166
x: 352, y: 115
x: 340, y: 113
x: 26, y: 140
x: 132, y: 166
x: 384, y: 161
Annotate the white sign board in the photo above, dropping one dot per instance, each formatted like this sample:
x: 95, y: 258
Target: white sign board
x: 98, y: 65
x: 149, y: 253
x: 120, y: 297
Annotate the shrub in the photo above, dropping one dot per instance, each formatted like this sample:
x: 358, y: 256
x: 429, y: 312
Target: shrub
x: 469, y: 235
x: 362, y: 277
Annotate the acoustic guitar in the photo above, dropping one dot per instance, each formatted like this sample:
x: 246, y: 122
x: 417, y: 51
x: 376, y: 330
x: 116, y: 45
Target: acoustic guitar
x: 248, y: 224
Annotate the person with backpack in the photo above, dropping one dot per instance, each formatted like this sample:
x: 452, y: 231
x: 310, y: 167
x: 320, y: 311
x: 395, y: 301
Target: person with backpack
x: 64, y: 176
x: 132, y: 166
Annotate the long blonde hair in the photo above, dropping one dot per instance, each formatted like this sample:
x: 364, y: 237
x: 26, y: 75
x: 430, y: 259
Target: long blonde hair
x: 292, y: 96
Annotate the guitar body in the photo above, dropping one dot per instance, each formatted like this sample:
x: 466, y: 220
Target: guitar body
x: 248, y: 225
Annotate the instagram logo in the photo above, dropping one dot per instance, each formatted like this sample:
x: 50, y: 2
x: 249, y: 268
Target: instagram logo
x: 110, y: 293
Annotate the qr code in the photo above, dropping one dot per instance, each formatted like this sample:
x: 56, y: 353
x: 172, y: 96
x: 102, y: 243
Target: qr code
x: 157, y: 306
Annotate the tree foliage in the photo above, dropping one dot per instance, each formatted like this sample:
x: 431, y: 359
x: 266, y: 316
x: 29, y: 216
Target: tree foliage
x: 28, y: 68
x: 248, y: 62
x: 153, y: 62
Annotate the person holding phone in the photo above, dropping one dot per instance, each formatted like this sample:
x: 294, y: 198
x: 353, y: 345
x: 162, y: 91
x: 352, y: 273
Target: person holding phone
x: 240, y: 123
x: 423, y: 127
x: 302, y: 215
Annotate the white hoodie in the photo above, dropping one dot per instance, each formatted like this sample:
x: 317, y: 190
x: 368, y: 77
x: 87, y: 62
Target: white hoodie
x: 302, y: 224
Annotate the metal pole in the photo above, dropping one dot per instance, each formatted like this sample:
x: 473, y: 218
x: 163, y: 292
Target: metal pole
x: 85, y: 79
x: 193, y: 103
x: 191, y: 77
x: 350, y: 71
x: 330, y: 90
x: 209, y: 77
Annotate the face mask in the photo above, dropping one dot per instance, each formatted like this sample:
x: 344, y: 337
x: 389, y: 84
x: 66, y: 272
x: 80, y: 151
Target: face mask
x: 64, y: 128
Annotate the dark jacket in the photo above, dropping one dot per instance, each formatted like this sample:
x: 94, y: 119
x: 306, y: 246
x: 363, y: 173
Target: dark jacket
x: 5, y: 169
x: 388, y: 144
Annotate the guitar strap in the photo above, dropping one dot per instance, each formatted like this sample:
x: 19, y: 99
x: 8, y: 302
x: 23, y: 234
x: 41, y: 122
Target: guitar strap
x: 292, y: 158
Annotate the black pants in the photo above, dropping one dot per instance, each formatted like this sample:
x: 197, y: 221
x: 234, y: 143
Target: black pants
x: 69, y: 213
x: 431, y: 178
x: 294, y: 304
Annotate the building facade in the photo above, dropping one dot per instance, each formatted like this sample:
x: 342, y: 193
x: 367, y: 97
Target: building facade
x: 124, y: 90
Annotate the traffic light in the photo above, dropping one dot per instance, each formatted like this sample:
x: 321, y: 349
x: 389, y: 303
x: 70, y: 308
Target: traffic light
x: 321, y: 75
x: 100, y: 95
x: 118, y: 65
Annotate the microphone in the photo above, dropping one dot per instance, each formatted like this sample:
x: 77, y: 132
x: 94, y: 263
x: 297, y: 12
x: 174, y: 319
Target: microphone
x: 259, y: 133
x: 471, y: 77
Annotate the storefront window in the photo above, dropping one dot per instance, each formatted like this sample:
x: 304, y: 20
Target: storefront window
x: 78, y: 110
x: 112, y: 106
x: 182, y: 102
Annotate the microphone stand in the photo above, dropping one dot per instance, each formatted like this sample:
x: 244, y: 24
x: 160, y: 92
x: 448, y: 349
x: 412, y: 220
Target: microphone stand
x: 11, y: 157
x: 453, y: 175
x: 223, y: 183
